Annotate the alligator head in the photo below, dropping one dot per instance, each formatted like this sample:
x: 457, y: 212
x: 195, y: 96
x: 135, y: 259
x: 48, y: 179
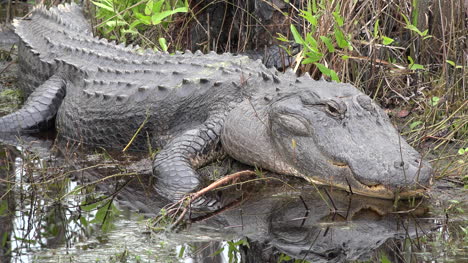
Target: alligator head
x: 330, y: 134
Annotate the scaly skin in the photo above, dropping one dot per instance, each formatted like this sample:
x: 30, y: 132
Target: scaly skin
x: 197, y: 107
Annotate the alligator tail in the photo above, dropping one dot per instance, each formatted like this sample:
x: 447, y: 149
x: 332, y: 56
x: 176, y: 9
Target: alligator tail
x: 39, y: 110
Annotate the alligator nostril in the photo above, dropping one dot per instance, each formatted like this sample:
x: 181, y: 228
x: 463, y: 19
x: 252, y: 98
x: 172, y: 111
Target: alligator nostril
x: 400, y: 165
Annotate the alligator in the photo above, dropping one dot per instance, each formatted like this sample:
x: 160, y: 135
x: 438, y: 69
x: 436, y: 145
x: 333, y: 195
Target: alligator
x: 195, y: 108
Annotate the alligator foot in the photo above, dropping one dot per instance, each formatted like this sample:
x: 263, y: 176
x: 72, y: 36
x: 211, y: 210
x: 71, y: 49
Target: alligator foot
x: 174, y: 167
x: 39, y: 111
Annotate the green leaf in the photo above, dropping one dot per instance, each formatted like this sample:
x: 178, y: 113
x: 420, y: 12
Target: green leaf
x: 415, y: 124
x: 115, y: 23
x: 83, y: 221
x: 434, y: 101
x: 325, y: 71
x: 297, y: 37
x: 416, y: 66
x: 181, y: 251
x: 159, y: 17
x: 376, y: 29
x: 282, y: 38
x: 157, y: 6
x: 344, y: 57
x: 328, y: 43
x: 309, y: 17
x: 334, y: 76
x: 149, y: 7
x: 413, y: 66
x: 143, y: 19
x: 387, y: 40
x: 340, y: 38
x: 384, y: 259
x: 130, y: 31
x: 461, y: 151
x: 103, y: 6
x: 451, y: 63
x: 338, y: 18
x: 312, y: 57
x: 311, y: 42
x: 163, y: 43
x: 89, y: 207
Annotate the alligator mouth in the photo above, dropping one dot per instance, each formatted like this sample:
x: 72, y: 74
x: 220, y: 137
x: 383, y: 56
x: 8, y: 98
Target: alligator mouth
x: 353, y: 185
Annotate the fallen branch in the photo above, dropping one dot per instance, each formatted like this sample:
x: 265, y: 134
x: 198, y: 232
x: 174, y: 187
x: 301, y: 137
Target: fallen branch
x: 177, y: 210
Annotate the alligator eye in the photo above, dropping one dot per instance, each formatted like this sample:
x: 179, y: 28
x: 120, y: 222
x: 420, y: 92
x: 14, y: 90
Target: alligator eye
x: 333, y: 108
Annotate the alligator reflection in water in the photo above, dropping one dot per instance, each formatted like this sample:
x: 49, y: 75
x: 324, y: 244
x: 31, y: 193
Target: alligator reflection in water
x: 274, y: 219
x: 305, y: 226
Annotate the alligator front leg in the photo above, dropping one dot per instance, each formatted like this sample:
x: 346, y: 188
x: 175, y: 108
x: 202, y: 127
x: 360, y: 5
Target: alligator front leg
x: 39, y: 109
x: 175, y: 166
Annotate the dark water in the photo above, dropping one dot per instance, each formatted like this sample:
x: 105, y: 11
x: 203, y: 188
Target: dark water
x: 60, y: 205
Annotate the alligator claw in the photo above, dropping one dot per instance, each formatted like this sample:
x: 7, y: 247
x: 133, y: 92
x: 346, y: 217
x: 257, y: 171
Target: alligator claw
x: 207, y: 201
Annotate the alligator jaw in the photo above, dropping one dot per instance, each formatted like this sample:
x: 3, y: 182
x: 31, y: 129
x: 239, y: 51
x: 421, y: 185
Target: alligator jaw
x: 354, y: 186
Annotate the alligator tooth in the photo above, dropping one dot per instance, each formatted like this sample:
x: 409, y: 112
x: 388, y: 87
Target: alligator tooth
x: 213, y: 53
x: 198, y: 52
x: 87, y: 82
x: 307, y: 75
x: 178, y: 52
